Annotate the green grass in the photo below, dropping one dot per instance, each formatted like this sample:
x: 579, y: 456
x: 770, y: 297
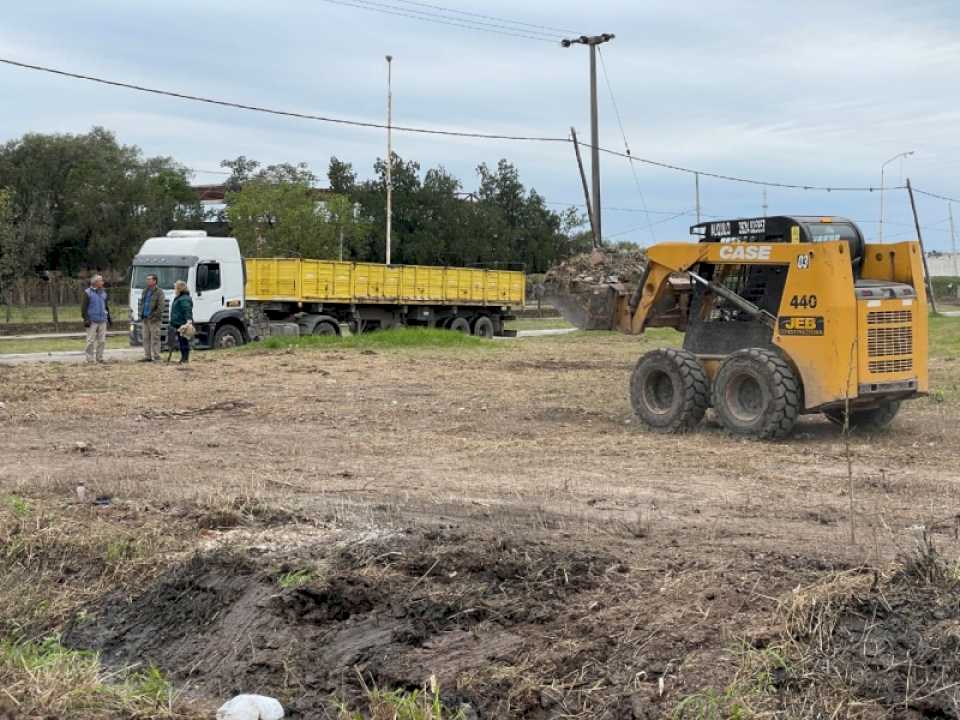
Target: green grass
x: 43, y: 314
x: 413, y: 337
x: 9, y: 347
x: 944, y: 336
x: 46, y: 679
x: 18, y: 506
x: 295, y: 578
x: 403, y: 705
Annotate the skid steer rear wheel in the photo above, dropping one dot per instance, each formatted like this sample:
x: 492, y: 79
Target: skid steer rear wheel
x: 757, y: 393
x: 669, y: 390
x: 866, y: 419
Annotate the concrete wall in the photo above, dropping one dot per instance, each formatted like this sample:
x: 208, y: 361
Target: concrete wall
x: 942, y: 265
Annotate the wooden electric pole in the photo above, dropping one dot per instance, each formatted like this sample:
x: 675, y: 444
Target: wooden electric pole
x: 592, y: 41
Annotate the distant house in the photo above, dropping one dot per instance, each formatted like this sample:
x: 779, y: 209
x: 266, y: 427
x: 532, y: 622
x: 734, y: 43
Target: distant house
x: 212, y: 199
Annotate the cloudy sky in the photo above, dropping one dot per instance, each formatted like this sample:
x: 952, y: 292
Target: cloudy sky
x: 816, y: 93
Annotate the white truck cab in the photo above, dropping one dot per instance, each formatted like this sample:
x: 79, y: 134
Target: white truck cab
x: 213, y: 270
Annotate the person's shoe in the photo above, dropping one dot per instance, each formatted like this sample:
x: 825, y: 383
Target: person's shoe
x: 145, y: 360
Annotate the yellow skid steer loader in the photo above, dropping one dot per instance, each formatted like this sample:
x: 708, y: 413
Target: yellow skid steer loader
x: 782, y: 316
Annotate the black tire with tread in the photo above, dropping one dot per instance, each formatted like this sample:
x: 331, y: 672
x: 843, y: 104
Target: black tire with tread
x: 325, y: 328
x: 483, y: 327
x: 461, y: 325
x: 781, y: 394
x: 227, y: 336
x: 686, y: 402
x: 866, y: 419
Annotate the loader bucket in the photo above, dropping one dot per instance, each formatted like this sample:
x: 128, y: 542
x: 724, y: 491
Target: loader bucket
x: 588, y: 306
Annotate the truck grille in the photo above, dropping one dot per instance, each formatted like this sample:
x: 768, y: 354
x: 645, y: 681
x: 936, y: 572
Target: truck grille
x: 890, y: 341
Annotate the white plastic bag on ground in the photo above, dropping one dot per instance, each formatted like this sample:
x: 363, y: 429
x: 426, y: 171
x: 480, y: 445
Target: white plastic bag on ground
x: 250, y: 707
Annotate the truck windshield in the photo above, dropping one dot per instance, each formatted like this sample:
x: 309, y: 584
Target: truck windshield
x: 166, y: 275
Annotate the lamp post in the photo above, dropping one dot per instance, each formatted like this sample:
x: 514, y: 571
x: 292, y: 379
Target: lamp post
x: 389, y: 152
x: 882, y: 168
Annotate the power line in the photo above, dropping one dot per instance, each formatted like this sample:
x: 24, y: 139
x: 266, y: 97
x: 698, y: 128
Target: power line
x: 485, y: 17
x: 623, y: 133
x: 446, y: 133
x: 658, y: 222
x: 383, y: 8
x: 934, y: 195
x: 750, y: 181
x: 271, y: 111
x: 615, y: 209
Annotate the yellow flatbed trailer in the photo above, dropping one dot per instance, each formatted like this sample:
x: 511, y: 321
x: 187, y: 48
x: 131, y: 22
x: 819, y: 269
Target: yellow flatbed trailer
x: 319, y: 295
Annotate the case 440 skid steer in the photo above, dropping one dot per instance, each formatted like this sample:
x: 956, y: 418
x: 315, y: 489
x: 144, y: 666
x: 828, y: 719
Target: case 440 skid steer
x: 781, y: 316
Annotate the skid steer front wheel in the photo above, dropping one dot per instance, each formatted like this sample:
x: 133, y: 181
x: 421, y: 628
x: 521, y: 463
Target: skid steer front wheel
x: 757, y: 393
x: 669, y: 390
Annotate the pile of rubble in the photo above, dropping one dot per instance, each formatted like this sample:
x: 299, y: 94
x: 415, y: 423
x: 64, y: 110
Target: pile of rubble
x: 600, y: 267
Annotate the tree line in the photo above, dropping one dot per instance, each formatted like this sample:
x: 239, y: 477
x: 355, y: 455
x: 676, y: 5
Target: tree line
x: 76, y: 203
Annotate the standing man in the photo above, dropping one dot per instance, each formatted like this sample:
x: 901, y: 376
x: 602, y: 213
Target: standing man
x: 151, y: 312
x: 96, y: 316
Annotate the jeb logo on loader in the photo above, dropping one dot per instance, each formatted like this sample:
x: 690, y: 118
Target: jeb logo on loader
x: 799, y: 325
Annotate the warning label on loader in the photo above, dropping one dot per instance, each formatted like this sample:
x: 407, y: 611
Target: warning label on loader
x: 801, y: 325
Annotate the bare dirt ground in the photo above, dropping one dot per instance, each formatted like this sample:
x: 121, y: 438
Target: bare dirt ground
x: 309, y: 523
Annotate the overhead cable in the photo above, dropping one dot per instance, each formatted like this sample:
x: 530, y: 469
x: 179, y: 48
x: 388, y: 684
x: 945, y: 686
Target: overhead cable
x: 448, y: 133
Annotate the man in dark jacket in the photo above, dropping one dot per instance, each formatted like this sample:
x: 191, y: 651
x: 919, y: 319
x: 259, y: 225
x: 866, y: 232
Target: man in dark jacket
x: 95, y: 312
x: 151, y: 313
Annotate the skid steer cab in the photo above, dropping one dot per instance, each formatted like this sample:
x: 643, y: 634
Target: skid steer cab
x: 781, y: 316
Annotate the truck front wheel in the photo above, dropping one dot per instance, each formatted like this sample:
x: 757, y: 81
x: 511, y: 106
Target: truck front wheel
x: 227, y: 336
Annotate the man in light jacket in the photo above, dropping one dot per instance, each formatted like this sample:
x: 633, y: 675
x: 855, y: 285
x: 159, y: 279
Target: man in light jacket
x: 96, y: 316
x: 151, y: 312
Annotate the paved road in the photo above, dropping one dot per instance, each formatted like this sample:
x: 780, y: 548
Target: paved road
x: 131, y: 354
x: 68, y: 356
x: 55, y: 336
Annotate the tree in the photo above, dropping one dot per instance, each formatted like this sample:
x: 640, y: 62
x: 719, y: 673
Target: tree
x: 278, y: 217
x: 87, y: 201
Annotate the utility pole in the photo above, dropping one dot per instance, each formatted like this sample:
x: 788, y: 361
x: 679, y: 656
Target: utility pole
x: 764, y: 202
x: 923, y: 252
x: 953, y: 250
x: 592, y: 41
x: 586, y: 192
x: 696, y: 189
x: 389, y: 152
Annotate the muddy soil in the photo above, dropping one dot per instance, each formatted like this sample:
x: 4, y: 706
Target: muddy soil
x: 511, y: 626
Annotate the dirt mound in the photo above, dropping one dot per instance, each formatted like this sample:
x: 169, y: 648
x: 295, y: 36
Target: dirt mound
x: 393, y: 610
x: 889, y: 646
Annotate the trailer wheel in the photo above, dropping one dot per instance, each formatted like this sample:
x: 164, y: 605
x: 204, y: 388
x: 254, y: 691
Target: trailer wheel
x: 325, y: 328
x: 483, y: 327
x: 460, y: 324
x: 866, y: 419
x: 669, y: 390
x: 757, y: 393
x: 227, y: 336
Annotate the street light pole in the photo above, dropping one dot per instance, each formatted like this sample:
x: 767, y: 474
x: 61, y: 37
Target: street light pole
x: 882, y: 168
x: 389, y: 152
x: 592, y: 42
